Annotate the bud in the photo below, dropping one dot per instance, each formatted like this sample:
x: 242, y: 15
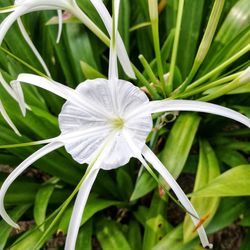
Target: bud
x: 245, y: 76
x: 153, y: 9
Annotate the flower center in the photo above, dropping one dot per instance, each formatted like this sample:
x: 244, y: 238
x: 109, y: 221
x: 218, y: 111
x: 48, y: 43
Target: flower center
x: 118, y: 123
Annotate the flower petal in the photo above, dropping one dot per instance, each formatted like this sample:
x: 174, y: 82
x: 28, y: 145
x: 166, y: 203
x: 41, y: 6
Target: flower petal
x: 18, y: 170
x: 32, y: 46
x: 7, y: 119
x: 7, y: 87
x: 161, y: 169
x: 15, y: 94
x: 121, y: 50
x: 60, y: 24
x: 113, y: 67
x: 63, y: 91
x: 16, y: 87
x: 188, y: 105
x: 9, y: 20
x: 97, y: 160
x: 78, y: 210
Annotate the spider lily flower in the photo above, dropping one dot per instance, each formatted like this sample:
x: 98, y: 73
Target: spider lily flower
x: 105, y: 123
x: 22, y: 7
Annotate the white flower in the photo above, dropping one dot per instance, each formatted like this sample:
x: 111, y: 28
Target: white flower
x: 104, y: 123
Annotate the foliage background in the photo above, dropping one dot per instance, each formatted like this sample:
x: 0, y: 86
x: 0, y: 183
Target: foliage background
x: 127, y: 209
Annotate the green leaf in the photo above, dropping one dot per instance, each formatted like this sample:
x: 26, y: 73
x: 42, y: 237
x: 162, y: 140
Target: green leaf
x: 84, y: 239
x: 234, y: 182
x: 30, y: 239
x: 227, y: 51
x: 228, y: 211
x: 144, y: 185
x: 174, y: 153
x: 93, y: 206
x: 190, y: 32
x: 231, y: 157
x: 124, y: 22
x: 62, y: 58
x: 232, y: 31
x: 5, y: 229
x: 236, y: 21
x: 141, y: 214
x: 179, y: 142
x: 156, y: 226
x: 208, y: 169
x: 173, y: 240
x: 134, y: 235
x: 246, y: 242
x: 207, y: 38
x: 41, y: 202
x: 245, y: 222
x: 111, y: 237
x: 123, y: 179
x: 90, y: 72
x: 80, y: 48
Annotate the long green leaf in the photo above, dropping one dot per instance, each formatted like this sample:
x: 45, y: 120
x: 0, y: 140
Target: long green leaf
x: 208, y: 169
x: 111, y: 237
x: 41, y: 202
x: 5, y: 229
x: 179, y: 142
x: 156, y: 225
x: 234, y: 182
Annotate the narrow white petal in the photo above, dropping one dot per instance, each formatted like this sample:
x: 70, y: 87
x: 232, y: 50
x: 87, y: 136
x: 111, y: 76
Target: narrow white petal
x: 188, y: 105
x: 32, y: 46
x: 7, y: 87
x: 113, y: 67
x: 60, y: 24
x: 18, y: 170
x: 78, y: 210
x: 121, y: 50
x: 13, y: 94
x: 45, y: 83
x: 9, y: 20
x: 16, y: 86
x: 161, y: 169
x: 63, y: 91
x: 83, y: 194
x: 7, y: 119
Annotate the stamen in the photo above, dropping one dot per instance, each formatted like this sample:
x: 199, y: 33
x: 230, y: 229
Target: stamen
x: 118, y: 123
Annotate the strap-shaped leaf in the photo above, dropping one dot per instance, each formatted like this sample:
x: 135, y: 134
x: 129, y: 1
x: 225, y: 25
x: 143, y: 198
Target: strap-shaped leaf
x: 208, y: 169
x: 234, y: 182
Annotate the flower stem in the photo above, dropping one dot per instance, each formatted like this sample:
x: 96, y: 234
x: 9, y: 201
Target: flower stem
x: 148, y: 70
x: 153, y: 13
x: 213, y: 84
x: 145, y: 82
x: 169, y: 86
x: 221, y: 67
x: 206, y: 41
